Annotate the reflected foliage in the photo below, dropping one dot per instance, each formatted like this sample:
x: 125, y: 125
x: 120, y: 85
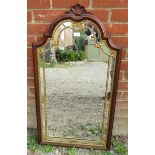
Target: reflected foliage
x: 68, y: 55
x: 80, y: 43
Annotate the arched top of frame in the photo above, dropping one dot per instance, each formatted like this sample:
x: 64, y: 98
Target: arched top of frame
x: 78, y: 13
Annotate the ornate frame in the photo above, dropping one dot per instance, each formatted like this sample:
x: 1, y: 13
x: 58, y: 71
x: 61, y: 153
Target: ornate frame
x: 78, y: 13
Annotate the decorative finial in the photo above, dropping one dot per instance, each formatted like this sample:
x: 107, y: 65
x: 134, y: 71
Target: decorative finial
x: 77, y: 10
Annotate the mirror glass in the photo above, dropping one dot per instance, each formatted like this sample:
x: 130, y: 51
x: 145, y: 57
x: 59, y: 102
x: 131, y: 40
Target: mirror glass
x: 76, y: 69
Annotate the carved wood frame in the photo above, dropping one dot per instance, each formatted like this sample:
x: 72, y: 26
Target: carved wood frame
x: 77, y: 13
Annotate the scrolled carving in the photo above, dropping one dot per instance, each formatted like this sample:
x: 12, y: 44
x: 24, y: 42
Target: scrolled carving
x: 77, y: 10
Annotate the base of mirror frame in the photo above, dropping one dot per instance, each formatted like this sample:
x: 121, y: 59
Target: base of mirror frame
x: 77, y: 145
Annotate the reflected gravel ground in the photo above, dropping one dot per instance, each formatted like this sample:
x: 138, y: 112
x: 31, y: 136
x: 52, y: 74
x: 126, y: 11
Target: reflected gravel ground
x: 75, y: 100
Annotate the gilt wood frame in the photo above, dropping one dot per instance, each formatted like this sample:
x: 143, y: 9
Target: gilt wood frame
x: 77, y: 13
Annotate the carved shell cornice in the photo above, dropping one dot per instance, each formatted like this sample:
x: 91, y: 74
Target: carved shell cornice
x: 77, y: 10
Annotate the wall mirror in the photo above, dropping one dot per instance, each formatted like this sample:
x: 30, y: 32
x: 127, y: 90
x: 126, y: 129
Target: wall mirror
x: 76, y: 75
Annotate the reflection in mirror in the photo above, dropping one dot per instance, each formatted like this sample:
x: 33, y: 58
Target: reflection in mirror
x: 76, y: 76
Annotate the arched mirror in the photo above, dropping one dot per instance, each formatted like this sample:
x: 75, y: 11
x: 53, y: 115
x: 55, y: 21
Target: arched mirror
x: 76, y: 74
